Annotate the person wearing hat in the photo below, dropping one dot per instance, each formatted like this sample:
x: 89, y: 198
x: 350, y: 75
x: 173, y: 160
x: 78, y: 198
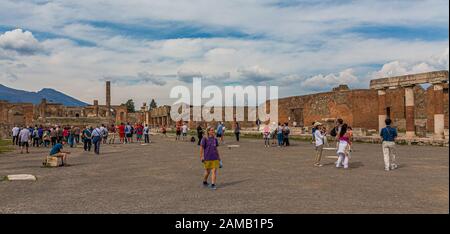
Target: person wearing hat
x: 319, y: 136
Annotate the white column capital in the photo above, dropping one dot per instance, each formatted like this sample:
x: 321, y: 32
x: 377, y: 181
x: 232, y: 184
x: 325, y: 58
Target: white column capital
x: 438, y: 86
x: 381, y: 92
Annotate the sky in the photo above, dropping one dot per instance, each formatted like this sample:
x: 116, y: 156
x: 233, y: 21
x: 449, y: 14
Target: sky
x: 146, y: 47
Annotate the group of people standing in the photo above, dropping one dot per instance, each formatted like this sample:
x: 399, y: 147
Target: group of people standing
x: 342, y: 134
x: 39, y: 136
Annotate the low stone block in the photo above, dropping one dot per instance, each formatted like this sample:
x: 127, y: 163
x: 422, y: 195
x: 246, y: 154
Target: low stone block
x: 21, y: 177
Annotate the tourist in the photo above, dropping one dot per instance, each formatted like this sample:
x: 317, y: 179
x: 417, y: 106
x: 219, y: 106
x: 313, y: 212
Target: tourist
x: 24, y: 137
x: 280, y: 135
x: 266, y: 135
x: 388, y: 135
x: 46, y: 137
x: 132, y: 132
x: 319, y: 136
x: 313, y: 130
x: 146, y: 134
x: 77, y: 132
x: 209, y: 155
x: 121, y: 129
x: 71, y: 139
x: 286, y: 132
x: 15, y: 135
x: 53, y: 136
x: 164, y: 130
x: 56, y: 152
x: 184, y: 130
x: 111, y: 134
x: 97, y: 139
x: 337, y: 128
x: 273, y: 133
x: 65, y: 134
x: 35, y: 137
x: 343, y: 147
x: 199, y: 133
x: 59, y: 134
x: 87, y: 138
x: 237, y: 131
x: 258, y: 123
x: 104, y: 133
x: 139, y: 132
x: 178, y: 132
x: 220, y: 132
x: 128, y: 133
x: 40, y: 134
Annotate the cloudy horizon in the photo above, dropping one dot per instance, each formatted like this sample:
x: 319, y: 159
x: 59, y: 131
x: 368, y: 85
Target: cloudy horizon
x: 147, y: 47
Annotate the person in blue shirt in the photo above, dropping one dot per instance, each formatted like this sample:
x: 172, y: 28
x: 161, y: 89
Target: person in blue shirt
x: 388, y: 135
x: 56, y: 151
x: 97, y: 139
x: 220, y: 132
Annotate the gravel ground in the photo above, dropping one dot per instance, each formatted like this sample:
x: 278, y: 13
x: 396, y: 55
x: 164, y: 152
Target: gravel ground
x: 165, y: 177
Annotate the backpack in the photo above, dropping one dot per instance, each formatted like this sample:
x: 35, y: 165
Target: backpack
x: 333, y: 132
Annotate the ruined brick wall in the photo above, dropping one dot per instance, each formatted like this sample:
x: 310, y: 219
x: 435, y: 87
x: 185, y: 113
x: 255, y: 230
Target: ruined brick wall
x: 430, y: 108
x: 358, y: 108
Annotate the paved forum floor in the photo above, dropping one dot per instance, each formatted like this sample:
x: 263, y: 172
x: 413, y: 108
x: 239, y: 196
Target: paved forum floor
x: 165, y: 177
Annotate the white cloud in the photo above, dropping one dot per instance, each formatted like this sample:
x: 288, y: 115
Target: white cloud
x: 399, y: 68
x: 321, y: 82
x: 291, y: 43
x: 23, y: 42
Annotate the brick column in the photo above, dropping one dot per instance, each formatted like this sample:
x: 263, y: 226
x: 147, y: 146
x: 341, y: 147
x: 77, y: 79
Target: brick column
x: 381, y: 109
x: 108, y: 98
x: 438, y: 111
x: 96, y: 108
x: 409, y: 105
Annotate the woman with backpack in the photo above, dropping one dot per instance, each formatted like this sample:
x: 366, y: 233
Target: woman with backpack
x: 87, y: 138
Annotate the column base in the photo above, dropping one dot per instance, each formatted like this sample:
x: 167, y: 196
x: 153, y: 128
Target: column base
x: 410, y: 134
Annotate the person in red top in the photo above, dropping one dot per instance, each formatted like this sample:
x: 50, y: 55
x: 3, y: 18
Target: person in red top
x: 139, y: 132
x: 65, y: 134
x: 121, y: 128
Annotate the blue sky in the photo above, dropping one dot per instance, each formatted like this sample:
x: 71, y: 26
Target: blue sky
x: 150, y: 46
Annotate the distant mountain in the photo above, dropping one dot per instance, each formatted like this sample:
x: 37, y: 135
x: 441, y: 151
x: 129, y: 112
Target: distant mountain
x: 52, y: 96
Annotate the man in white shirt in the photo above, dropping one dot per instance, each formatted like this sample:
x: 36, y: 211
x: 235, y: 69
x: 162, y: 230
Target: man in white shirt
x: 146, y: 134
x: 319, y: 135
x: 24, y: 137
x: 97, y: 139
x: 184, y: 130
x: 15, y: 135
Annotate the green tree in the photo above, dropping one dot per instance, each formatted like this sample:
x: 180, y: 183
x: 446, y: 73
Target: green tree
x: 130, y: 106
x: 153, y: 104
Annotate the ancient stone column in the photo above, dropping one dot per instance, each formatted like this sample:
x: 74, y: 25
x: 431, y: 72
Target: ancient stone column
x: 96, y: 108
x: 438, y: 111
x: 409, y: 105
x: 108, y: 98
x: 381, y: 109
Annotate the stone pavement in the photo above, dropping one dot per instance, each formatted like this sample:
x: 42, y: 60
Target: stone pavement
x: 165, y: 177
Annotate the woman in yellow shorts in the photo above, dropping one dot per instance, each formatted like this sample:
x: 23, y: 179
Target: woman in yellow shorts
x: 210, y: 157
